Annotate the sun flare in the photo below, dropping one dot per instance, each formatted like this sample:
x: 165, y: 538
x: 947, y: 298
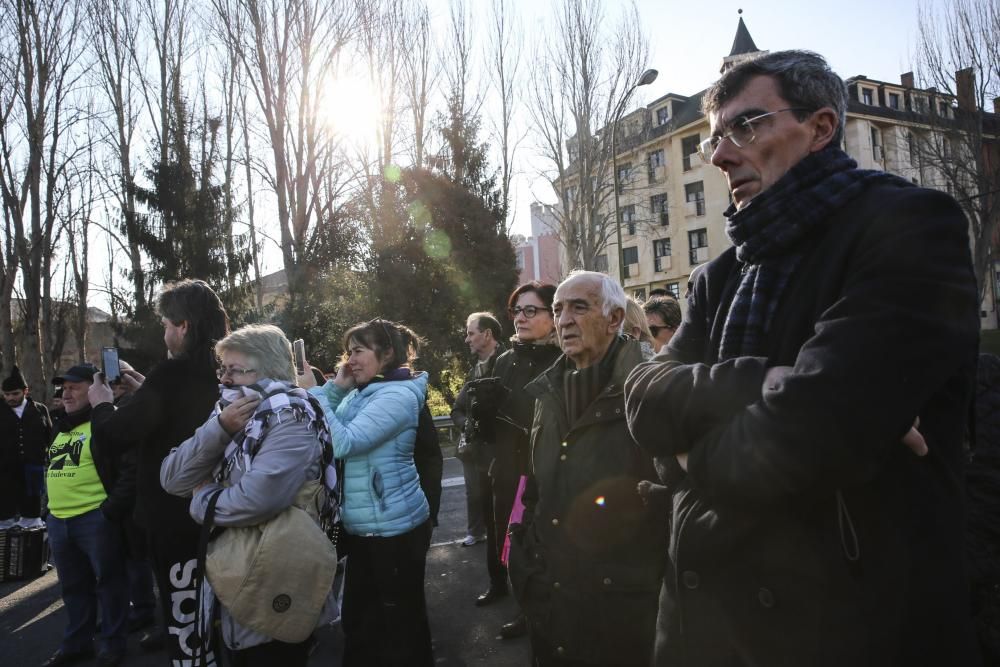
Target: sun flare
x: 350, y: 109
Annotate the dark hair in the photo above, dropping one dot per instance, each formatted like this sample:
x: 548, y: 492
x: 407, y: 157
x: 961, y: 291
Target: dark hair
x: 486, y: 321
x: 667, y: 308
x: 545, y: 292
x: 384, y: 336
x: 804, y: 80
x: 194, y: 302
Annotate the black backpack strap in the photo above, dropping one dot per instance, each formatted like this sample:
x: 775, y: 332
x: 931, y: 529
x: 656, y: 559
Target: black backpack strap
x: 205, y: 643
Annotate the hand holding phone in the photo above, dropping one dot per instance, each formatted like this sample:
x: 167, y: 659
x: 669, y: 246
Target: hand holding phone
x: 299, y: 350
x: 111, y: 367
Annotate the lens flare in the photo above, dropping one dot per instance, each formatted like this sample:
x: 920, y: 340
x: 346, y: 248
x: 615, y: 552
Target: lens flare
x: 599, y: 501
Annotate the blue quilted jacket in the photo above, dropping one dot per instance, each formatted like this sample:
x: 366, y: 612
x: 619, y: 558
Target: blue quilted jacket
x: 374, y: 430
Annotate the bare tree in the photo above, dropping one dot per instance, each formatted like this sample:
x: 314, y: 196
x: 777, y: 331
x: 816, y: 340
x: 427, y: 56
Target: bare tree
x: 288, y: 48
x: 958, y: 53
x: 115, y: 32
x: 504, y: 61
x: 420, y: 73
x: 580, y: 78
x: 34, y: 153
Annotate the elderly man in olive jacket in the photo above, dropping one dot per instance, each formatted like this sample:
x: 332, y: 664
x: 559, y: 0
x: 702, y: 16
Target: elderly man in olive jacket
x: 586, y: 563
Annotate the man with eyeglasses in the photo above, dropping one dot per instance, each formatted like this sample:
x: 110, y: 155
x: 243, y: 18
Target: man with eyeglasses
x: 810, y: 409
x: 587, y: 559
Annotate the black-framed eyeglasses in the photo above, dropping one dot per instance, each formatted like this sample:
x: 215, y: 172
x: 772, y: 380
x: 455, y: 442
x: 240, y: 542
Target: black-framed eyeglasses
x: 741, y: 132
x: 655, y: 330
x: 528, y: 311
x: 234, y: 372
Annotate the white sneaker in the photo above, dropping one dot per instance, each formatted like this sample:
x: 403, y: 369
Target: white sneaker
x: 468, y: 541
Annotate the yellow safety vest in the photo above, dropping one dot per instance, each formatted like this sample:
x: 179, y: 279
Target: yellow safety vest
x: 74, y: 486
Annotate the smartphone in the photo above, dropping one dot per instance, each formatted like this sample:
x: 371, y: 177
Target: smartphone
x: 111, y: 368
x: 299, y: 350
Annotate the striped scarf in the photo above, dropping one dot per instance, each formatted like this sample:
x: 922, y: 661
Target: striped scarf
x: 284, y: 400
x: 768, y: 235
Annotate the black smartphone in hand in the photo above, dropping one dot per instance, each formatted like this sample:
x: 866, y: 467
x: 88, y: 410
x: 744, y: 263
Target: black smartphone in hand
x: 299, y: 350
x: 110, y: 366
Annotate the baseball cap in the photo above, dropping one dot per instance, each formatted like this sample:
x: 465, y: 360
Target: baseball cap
x: 78, y: 373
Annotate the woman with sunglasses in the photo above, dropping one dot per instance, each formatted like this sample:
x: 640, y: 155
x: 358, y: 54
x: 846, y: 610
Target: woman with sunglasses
x: 510, y: 411
x: 372, y: 407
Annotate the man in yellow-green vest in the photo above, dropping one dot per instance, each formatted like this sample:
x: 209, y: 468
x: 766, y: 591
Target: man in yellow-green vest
x: 84, y: 505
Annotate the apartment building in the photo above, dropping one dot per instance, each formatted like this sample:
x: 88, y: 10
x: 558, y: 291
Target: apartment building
x: 539, y: 256
x: 671, y: 204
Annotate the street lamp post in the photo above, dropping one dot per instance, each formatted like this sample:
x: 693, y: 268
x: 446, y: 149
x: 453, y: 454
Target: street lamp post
x: 648, y: 77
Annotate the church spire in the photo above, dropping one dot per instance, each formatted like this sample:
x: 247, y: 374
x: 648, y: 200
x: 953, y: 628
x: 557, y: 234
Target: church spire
x: 743, y: 47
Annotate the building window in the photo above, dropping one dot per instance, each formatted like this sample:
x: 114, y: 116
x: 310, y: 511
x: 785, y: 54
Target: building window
x: 662, y: 115
x: 867, y: 96
x: 658, y: 209
x: 601, y: 263
x: 674, y: 289
x: 876, y: 137
x: 689, y: 147
x: 628, y: 217
x: 639, y: 294
x: 694, y: 195
x: 919, y: 104
x: 630, y: 256
x: 661, y: 250
x: 655, y: 164
x: 894, y: 101
x: 943, y: 108
x: 697, y: 246
x: 624, y: 175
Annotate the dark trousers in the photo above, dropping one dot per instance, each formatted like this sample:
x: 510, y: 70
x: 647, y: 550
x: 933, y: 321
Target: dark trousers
x: 21, y: 491
x: 90, y: 562
x: 475, y: 520
x: 174, y: 555
x: 503, y: 491
x: 271, y: 654
x: 385, y: 612
x: 495, y: 531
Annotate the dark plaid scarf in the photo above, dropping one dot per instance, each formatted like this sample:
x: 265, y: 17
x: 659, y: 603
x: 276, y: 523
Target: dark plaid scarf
x: 768, y: 232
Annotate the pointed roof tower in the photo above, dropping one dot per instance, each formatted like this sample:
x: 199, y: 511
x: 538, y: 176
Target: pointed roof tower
x: 743, y: 47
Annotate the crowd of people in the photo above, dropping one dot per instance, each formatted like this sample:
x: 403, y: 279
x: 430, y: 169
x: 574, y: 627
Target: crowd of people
x: 774, y: 480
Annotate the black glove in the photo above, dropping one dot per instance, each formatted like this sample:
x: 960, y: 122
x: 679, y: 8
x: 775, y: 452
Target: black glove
x: 485, y: 396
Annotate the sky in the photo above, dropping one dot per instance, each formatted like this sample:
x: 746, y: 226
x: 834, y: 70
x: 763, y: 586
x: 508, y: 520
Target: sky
x: 688, y: 40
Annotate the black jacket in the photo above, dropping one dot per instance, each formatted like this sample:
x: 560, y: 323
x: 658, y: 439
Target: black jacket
x: 460, y: 414
x: 24, y: 441
x: 512, y: 442
x: 804, y: 532
x: 176, y: 398
x: 587, y: 561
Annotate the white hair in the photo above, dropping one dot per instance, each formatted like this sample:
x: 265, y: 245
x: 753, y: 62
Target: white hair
x: 612, y: 294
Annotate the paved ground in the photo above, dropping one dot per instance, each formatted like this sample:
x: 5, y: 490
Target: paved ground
x: 32, y: 619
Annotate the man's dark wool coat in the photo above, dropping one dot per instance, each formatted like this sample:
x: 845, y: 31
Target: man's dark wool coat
x: 805, y: 532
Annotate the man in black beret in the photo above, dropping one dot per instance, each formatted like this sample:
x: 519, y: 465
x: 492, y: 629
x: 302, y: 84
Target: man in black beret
x: 25, y: 433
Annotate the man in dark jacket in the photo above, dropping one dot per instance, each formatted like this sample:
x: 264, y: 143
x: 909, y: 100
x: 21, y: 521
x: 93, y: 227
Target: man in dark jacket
x: 482, y: 335
x: 25, y: 434
x: 586, y: 562
x: 812, y: 523
x: 86, y: 504
x: 165, y: 410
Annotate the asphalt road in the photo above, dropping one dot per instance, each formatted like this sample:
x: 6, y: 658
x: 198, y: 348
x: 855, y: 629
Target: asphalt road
x: 32, y: 617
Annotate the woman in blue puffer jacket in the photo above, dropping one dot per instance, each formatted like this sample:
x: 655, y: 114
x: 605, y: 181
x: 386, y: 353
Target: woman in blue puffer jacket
x: 372, y: 407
